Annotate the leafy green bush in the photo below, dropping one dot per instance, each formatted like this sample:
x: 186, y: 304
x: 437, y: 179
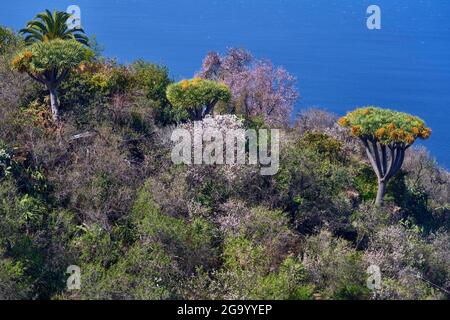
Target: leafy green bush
x: 244, y: 276
x: 324, y: 145
x: 8, y: 40
x: 337, y: 270
x: 34, y: 242
x: 13, y: 284
x: 313, y: 188
x: 5, y: 160
x: 256, y: 258
x: 154, y: 79
x: 191, y: 242
x: 365, y: 183
x: 286, y: 284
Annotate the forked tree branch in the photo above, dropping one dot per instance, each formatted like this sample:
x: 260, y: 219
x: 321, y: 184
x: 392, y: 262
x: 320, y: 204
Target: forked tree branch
x: 384, y: 159
x: 37, y: 78
x: 377, y: 157
x: 379, y: 160
x: 371, y: 158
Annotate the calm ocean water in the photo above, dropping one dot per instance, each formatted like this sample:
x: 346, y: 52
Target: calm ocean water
x: 339, y: 63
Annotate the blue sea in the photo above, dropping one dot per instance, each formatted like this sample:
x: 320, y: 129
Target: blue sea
x: 340, y: 64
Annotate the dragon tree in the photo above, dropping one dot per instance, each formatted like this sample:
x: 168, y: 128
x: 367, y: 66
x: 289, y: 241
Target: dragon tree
x: 197, y: 97
x: 49, y: 63
x: 386, y: 135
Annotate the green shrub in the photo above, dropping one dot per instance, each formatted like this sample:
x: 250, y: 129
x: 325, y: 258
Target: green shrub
x: 154, y: 78
x: 313, y: 188
x: 6, y: 160
x: 256, y: 260
x: 191, y: 243
x: 237, y: 281
x: 13, y: 283
x: 324, y: 145
x: 335, y: 268
x: 286, y: 284
x: 33, y: 240
x: 9, y: 40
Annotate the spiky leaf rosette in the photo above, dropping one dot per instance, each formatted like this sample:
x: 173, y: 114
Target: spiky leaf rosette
x: 386, y: 126
x: 55, y: 55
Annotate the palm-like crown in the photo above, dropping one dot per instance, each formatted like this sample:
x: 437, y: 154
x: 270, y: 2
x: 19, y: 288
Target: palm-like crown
x: 50, y: 26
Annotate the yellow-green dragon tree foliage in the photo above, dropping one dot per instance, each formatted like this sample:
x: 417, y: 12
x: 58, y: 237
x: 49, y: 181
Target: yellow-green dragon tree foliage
x: 386, y: 126
x: 197, y: 96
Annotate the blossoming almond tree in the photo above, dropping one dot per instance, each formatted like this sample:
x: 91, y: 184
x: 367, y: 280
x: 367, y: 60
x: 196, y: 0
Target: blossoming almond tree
x: 386, y: 135
x: 258, y: 88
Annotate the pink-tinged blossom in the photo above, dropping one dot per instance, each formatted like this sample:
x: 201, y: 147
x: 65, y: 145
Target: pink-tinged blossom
x: 258, y: 87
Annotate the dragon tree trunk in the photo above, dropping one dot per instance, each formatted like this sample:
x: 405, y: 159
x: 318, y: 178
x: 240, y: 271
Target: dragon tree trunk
x: 386, y: 161
x: 382, y: 186
x: 54, y: 104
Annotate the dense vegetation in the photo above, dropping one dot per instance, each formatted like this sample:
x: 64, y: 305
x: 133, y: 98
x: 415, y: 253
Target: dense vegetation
x: 96, y: 187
